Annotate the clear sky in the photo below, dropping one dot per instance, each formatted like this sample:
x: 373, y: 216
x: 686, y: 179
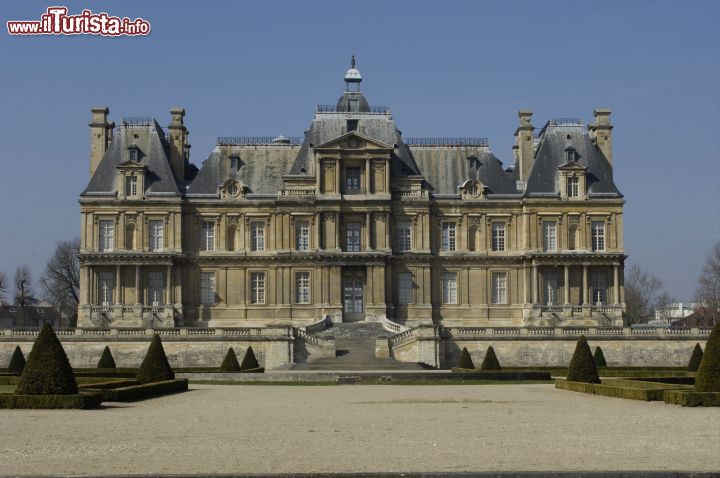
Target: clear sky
x: 445, y: 68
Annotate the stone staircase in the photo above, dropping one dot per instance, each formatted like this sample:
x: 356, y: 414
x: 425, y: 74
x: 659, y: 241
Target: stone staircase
x: 355, y: 350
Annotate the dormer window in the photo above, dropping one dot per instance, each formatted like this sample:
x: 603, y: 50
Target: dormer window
x: 573, y: 186
x: 234, y: 163
x: 352, y: 125
x: 353, y: 105
x: 134, y: 153
x: 131, y: 183
x: 571, y: 156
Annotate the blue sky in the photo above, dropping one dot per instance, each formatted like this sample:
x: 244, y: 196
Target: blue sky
x: 445, y: 68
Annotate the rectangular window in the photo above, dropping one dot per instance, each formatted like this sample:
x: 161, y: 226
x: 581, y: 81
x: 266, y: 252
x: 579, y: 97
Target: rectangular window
x: 302, y: 287
x: 157, y: 235
x: 234, y: 162
x: 207, y: 238
x: 498, y: 236
x: 550, y: 287
x: 549, y: 236
x: 130, y: 186
x: 405, y: 288
x: 448, y: 236
x: 352, y: 237
x: 450, y: 288
x: 257, y: 236
x: 106, y: 288
x: 207, y: 288
x: 257, y: 288
x: 156, y: 288
x: 107, y: 235
x: 598, y: 235
x: 499, y: 287
x: 404, y: 236
x: 353, y: 105
x: 352, y: 184
x: 573, y: 186
x: 599, y: 287
x: 302, y: 235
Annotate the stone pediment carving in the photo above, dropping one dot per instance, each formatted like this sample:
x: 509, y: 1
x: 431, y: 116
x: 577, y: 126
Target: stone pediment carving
x: 354, y: 140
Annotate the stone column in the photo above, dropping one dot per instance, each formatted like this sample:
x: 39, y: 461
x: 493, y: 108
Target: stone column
x: 138, y: 299
x: 368, y: 172
x: 368, y: 230
x: 566, y: 285
x: 535, y: 284
x: 585, y: 285
x: 338, y: 244
x: 169, y: 286
x: 118, y: 285
x: 616, y: 284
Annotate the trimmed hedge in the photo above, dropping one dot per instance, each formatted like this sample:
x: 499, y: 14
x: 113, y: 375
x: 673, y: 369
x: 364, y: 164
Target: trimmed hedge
x: 142, y: 391
x: 81, y: 401
x: 47, y: 371
x: 599, y: 357
x: 610, y: 390
x: 249, y: 361
x: 490, y: 362
x: 17, y: 361
x: 465, y: 361
x: 230, y: 363
x: 106, y: 359
x: 695, y: 359
x: 708, y: 374
x: 155, y: 366
x: 689, y: 398
x: 582, y: 365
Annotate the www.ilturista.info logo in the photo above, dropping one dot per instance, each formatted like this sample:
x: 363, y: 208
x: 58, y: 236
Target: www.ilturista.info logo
x: 56, y: 21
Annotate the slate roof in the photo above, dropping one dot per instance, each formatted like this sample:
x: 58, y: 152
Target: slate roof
x: 150, y: 140
x: 551, y: 154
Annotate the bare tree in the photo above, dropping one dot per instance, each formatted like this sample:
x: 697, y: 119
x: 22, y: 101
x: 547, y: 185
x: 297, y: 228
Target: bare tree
x: 708, y: 291
x: 644, y: 293
x: 61, y: 282
x: 23, y: 286
x: 3, y: 285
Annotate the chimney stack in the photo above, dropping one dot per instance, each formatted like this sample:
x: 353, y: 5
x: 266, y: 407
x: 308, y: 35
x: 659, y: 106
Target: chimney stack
x: 100, y: 135
x: 524, y: 149
x: 179, y: 148
x: 601, y: 132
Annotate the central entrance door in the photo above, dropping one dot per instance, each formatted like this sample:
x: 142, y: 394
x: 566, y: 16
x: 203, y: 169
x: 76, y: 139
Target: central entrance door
x: 353, y: 296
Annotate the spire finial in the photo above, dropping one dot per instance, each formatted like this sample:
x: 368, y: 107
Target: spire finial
x: 352, y: 62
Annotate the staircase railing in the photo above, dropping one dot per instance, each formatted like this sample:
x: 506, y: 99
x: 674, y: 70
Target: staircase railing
x: 387, y: 324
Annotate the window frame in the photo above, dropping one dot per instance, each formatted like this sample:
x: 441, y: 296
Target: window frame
x: 257, y: 236
x: 207, y: 235
x: 449, y: 236
x: 106, y: 235
x: 349, y: 189
x: 355, y: 245
x: 302, y: 235
x: 159, y: 278
x: 599, y: 287
x: 498, y: 242
x: 258, y: 287
x: 573, y: 186
x: 131, y: 186
x: 549, y: 241
x: 156, y: 242
x: 106, y: 288
x: 406, y: 286
x: 403, y: 236
x: 598, y: 241
x: 499, y: 294
x: 303, y: 291
x: 208, y: 285
x: 450, y: 294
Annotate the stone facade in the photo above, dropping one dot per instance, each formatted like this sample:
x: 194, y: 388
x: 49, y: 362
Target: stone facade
x: 353, y: 221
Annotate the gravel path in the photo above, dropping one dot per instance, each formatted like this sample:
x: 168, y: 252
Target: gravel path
x: 233, y: 429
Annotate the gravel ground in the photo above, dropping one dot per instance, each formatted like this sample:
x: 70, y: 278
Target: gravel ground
x: 234, y: 429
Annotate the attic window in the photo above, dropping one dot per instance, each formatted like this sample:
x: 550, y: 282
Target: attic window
x: 571, y: 155
x: 353, y: 105
x: 133, y: 153
x: 352, y: 125
x: 234, y: 163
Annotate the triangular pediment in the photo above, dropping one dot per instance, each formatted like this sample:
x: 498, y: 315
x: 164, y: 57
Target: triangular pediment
x: 354, y: 140
x: 572, y: 166
x: 130, y: 164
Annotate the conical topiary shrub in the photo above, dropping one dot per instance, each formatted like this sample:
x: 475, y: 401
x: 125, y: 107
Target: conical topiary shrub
x: 230, y: 363
x: 106, y: 359
x: 490, y: 362
x: 695, y: 359
x: 599, y: 357
x: 47, y: 371
x: 582, y: 366
x: 465, y: 360
x: 249, y: 360
x: 17, y: 361
x: 155, y: 366
x: 708, y: 374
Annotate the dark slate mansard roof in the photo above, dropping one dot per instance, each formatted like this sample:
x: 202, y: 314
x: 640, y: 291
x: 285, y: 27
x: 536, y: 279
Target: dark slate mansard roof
x: 159, y: 179
x: 551, y: 155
